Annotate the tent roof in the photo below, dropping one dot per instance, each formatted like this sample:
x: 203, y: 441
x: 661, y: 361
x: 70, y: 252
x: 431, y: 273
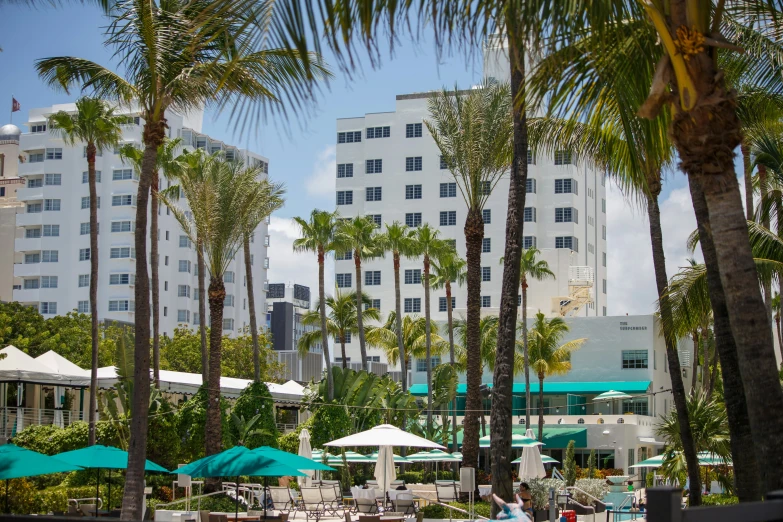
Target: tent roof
x: 17, y: 366
x: 60, y: 364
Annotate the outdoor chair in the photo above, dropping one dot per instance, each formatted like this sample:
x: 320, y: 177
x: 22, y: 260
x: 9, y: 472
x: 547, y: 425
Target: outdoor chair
x: 372, y: 483
x: 404, y: 503
x: 281, y: 498
x: 332, y: 499
x: 396, y: 483
x: 447, y: 492
x: 312, y: 503
x: 89, y: 510
x: 218, y: 518
x: 368, y: 506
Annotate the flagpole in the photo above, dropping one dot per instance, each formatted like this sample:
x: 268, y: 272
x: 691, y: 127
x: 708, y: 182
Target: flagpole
x: 12, y: 108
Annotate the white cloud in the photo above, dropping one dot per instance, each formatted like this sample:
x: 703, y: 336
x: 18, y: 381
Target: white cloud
x: 322, y: 181
x: 289, y: 267
x: 631, y: 282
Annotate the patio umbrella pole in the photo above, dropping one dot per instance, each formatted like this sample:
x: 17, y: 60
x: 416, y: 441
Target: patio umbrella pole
x: 108, y: 500
x: 236, y: 505
x: 266, y: 479
x: 7, y: 508
x: 97, y: 486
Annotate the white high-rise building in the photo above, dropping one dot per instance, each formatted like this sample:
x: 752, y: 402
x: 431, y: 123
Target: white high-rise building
x: 54, y: 249
x: 389, y: 167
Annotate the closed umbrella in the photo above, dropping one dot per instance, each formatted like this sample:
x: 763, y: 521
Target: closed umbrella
x: 305, y: 450
x: 531, y: 466
x: 384, y: 468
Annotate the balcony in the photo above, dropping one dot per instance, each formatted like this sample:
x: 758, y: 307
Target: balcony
x: 27, y: 245
x: 29, y: 194
x: 28, y: 220
x: 31, y: 169
x: 35, y: 140
x: 27, y: 296
x: 27, y: 270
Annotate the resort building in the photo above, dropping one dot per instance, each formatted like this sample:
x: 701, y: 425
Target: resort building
x: 53, y: 252
x: 389, y: 168
x: 10, y: 206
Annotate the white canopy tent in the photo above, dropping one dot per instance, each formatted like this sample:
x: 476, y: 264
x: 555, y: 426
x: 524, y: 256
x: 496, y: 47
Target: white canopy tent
x: 62, y: 366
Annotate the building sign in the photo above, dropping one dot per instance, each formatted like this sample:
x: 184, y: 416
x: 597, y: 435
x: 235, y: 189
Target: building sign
x: 624, y: 326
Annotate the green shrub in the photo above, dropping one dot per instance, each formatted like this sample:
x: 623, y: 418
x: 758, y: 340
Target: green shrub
x: 25, y: 500
x: 51, y: 440
x: 649, y: 480
x: 257, y: 400
x: 191, y: 419
x: 719, y: 500
x: 290, y: 441
x: 330, y: 422
x: 594, y: 487
x: 163, y: 440
x: 440, y: 512
x: 412, y: 477
x: 569, y: 465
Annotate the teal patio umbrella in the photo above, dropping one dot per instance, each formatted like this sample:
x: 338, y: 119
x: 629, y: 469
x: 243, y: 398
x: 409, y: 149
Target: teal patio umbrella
x: 100, y: 457
x: 16, y: 462
x: 291, y: 460
x: 546, y: 459
x: 517, y: 441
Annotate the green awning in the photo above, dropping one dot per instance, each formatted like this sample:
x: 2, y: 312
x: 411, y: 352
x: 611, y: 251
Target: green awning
x: 560, y: 388
x: 554, y: 438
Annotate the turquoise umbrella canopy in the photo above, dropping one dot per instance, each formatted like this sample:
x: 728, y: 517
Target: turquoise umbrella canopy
x: 103, y: 457
x: 238, y: 461
x: 517, y: 441
x: 291, y: 460
x: 16, y: 462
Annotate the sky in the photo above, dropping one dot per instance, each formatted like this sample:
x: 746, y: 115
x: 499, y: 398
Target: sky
x: 302, y: 153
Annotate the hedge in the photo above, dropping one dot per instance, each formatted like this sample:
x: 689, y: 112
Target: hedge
x: 437, y: 511
x: 719, y: 500
x: 24, y: 499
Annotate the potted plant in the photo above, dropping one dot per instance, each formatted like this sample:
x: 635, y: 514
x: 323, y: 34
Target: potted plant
x: 539, y: 491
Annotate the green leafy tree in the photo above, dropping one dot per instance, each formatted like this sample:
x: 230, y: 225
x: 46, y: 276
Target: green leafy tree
x: 488, y: 335
x: 256, y: 409
x: 569, y: 465
x: 21, y: 326
x: 413, y: 339
x: 444, y: 385
x: 591, y: 464
x: 330, y: 422
x: 191, y: 425
x: 70, y: 336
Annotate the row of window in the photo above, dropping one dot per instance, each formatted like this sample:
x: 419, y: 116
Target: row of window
x: 412, y: 130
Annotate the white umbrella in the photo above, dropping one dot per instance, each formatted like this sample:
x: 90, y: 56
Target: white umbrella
x: 384, y: 468
x: 307, y: 452
x: 384, y: 435
x: 530, y: 464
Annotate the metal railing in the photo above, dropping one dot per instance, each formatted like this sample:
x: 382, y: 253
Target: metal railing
x: 665, y: 505
x: 460, y: 510
x: 33, y: 416
x: 286, y: 427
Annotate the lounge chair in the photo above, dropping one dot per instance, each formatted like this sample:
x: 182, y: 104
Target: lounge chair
x: 447, y: 492
x: 281, y: 498
x: 333, y: 502
x: 404, y: 503
x: 312, y: 503
x: 368, y: 506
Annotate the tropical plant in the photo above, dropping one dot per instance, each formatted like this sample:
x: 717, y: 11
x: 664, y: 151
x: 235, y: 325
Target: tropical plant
x: 97, y: 125
x: 444, y: 386
x: 256, y: 401
x: 591, y: 464
x: 341, y: 321
x: 548, y: 356
x: 569, y: 465
x: 473, y: 132
x: 317, y: 236
x: 246, y: 428
x: 414, y: 343
x: 488, y: 336
x: 398, y: 239
x: 529, y: 266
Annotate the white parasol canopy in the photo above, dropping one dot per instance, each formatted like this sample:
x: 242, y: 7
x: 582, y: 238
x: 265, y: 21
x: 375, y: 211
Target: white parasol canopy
x: 530, y: 464
x: 384, y: 435
x: 384, y: 468
x: 306, y: 451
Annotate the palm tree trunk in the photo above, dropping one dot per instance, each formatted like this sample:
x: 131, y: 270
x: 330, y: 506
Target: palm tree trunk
x: 251, y: 304
x: 541, y: 407
x: 714, y: 373
x: 133, y: 496
x: 501, y: 414
x: 324, y: 333
x: 695, y: 338
x: 526, y: 352
x: 678, y: 388
x: 474, y: 233
x: 743, y: 453
x: 202, y: 311
x: 780, y: 339
x: 154, y: 264
x: 342, y: 347
x: 763, y: 186
x: 453, y: 359
x: 398, y: 310
x: 428, y: 339
x: 747, y: 176
x: 213, y: 434
x: 705, y: 375
x: 357, y: 261
x: 93, y: 406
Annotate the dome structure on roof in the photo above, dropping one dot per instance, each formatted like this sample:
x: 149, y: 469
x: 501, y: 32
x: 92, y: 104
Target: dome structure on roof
x: 10, y: 132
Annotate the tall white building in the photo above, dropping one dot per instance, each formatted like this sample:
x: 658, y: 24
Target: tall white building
x: 389, y: 167
x: 54, y: 249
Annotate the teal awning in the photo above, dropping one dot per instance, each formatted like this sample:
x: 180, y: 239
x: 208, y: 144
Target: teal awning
x: 560, y: 388
x: 554, y: 438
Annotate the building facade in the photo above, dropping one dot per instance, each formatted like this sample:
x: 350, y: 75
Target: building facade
x: 10, y: 206
x: 286, y: 306
x: 54, y: 248
x: 389, y: 168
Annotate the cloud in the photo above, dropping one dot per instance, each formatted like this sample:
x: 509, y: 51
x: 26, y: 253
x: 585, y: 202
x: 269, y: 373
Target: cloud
x: 322, y: 181
x: 289, y: 267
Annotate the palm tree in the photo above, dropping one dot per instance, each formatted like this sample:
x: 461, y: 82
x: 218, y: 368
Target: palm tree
x: 251, y: 306
x: 317, y: 236
x: 488, y: 334
x: 170, y: 165
x: 95, y: 124
x: 538, y: 270
x: 776, y: 309
x: 413, y: 339
x: 224, y: 204
x: 360, y: 236
x: 341, y: 321
x: 446, y: 269
x: 548, y: 356
x: 398, y: 239
x: 474, y: 134
x: 154, y: 43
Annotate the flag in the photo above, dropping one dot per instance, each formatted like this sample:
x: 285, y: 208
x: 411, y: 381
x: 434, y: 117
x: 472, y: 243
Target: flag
x: 15, y: 105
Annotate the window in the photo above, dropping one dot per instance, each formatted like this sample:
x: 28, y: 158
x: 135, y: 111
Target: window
x: 86, y: 176
x: 562, y: 157
x: 51, y: 230
x: 530, y: 214
x: 184, y: 242
x: 486, y: 273
x: 184, y: 266
x: 228, y: 277
x: 228, y: 301
x: 530, y: 187
x: 485, y: 188
x: 196, y: 319
x: 349, y: 137
x: 345, y: 170
x: 86, y: 202
x: 342, y: 280
x: 35, y: 157
x: 347, y: 338
x: 412, y: 191
x: 30, y: 259
x: 448, y: 218
x: 183, y: 316
x: 443, y: 163
x: 344, y: 256
x: 638, y: 407
x: 98, y: 152
x: 373, y: 193
x: 590, y: 248
x: 183, y: 290
x: 122, y: 305
x: 35, y: 183
x: 374, y: 303
x: 421, y: 364
x: 486, y: 216
x: 372, y: 278
x: 412, y: 305
x: 53, y: 179
x: 123, y: 226
x: 486, y: 245
x: 603, y: 258
x: 123, y: 174
x: 52, y: 205
x: 373, y: 166
x: 32, y: 233
x: 376, y: 218
x: 345, y: 197
x: 49, y: 308
x: 413, y: 219
x: 49, y: 281
x: 603, y: 231
x: 452, y: 243
x: 486, y: 301
x: 122, y: 253
x: 413, y: 130
x: 567, y: 242
x: 413, y: 276
x: 566, y: 215
x: 378, y: 132
x: 519, y: 299
x: 529, y: 242
x: 83, y: 307
x: 84, y: 229
x: 603, y: 205
x: 34, y: 208
x: 413, y: 164
x: 50, y: 256
x: 531, y: 159
x: 443, y: 304
x: 633, y: 359
x: 604, y: 285
x: 123, y: 200
x: 54, y: 154
x: 566, y: 186
x: 37, y: 127
x: 32, y: 284
x: 604, y: 311
x: 84, y: 280
x: 120, y: 279
x: 448, y: 190
x: 228, y: 324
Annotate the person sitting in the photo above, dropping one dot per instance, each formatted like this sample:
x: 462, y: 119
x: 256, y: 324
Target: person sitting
x: 526, y: 497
